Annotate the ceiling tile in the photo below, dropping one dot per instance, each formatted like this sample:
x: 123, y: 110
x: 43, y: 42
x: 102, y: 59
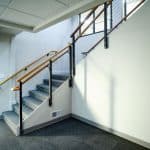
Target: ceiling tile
x: 40, y: 8
x: 20, y: 18
x: 4, y: 2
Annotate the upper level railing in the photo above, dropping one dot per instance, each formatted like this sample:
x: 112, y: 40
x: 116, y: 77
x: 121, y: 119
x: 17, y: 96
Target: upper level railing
x: 121, y: 21
x: 78, y: 29
x: 47, y: 60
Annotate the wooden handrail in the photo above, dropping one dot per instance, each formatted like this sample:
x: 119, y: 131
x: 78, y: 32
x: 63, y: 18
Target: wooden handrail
x: 53, y: 58
x: 24, y: 80
x: 81, y: 24
x: 31, y: 75
x: 30, y: 72
x: 17, y: 88
x: 57, y: 56
x: 25, y: 68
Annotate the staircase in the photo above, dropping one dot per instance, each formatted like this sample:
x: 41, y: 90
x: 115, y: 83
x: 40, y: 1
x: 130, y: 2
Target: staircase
x: 29, y: 109
x: 33, y: 101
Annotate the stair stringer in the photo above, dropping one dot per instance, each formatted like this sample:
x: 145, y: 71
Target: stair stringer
x: 43, y: 113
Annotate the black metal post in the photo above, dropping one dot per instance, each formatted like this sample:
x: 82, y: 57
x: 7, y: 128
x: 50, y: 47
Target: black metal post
x: 106, y: 44
x: 50, y: 83
x: 70, y: 66
x: 125, y: 10
x: 111, y: 15
x: 20, y: 109
x: 73, y: 53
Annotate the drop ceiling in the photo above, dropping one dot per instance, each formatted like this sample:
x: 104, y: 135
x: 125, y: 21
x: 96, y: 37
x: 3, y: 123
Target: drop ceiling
x: 35, y: 15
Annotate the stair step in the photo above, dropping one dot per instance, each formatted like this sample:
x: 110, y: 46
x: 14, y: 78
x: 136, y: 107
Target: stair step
x: 60, y: 77
x: 12, y: 120
x: 45, y: 88
x: 39, y: 95
x: 31, y: 102
x: 26, y: 111
x: 54, y: 82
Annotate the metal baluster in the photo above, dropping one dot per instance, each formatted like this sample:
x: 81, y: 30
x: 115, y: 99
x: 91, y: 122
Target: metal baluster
x: 50, y: 83
x: 125, y: 10
x: 74, y: 62
x: 20, y: 109
x: 70, y: 66
x: 111, y: 15
x: 106, y: 44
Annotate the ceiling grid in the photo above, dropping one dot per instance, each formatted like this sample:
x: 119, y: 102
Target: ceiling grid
x: 34, y: 13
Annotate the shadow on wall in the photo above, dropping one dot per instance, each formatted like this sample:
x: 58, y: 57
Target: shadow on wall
x: 96, y: 94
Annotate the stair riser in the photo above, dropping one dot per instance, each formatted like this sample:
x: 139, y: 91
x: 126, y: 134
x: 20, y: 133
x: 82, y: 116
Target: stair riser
x: 11, y: 126
x: 43, y: 89
x: 54, y: 83
x: 38, y: 96
x: 59, y: 77
x: 17, y: 112
x: 30, y: 105
x: 46, y: 82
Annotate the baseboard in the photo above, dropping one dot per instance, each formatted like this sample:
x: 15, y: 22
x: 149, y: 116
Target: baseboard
x: 122, y: 135
x: 29, y: 130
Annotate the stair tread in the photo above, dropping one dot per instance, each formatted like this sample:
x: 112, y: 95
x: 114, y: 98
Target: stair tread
x: 26, y: 110
x: 12, y: 116
x: 57, y: 80
x: 32, y: 102
x: 40, y: 95
x: 40, y: 92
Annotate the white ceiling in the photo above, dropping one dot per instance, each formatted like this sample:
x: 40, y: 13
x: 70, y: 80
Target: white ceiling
x: 37, y: 13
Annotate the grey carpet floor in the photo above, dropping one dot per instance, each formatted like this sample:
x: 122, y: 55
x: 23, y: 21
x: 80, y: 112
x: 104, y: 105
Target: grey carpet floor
x: 69, y: 134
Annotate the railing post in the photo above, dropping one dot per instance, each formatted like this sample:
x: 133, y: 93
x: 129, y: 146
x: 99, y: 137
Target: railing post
x: 111, y: 15
x: 73, y: 55
x: 106, y: 44
x: 125, y: 10
x: 70, y: 66
x: 20, y: 109
x: 50, y: 83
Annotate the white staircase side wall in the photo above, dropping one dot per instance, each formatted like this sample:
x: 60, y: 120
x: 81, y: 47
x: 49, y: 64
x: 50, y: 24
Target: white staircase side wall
x: 43, y: 114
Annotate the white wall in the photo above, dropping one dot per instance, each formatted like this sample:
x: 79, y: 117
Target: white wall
x: 112, y: 87
x: 5, y: 69
x: 30, y: 46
